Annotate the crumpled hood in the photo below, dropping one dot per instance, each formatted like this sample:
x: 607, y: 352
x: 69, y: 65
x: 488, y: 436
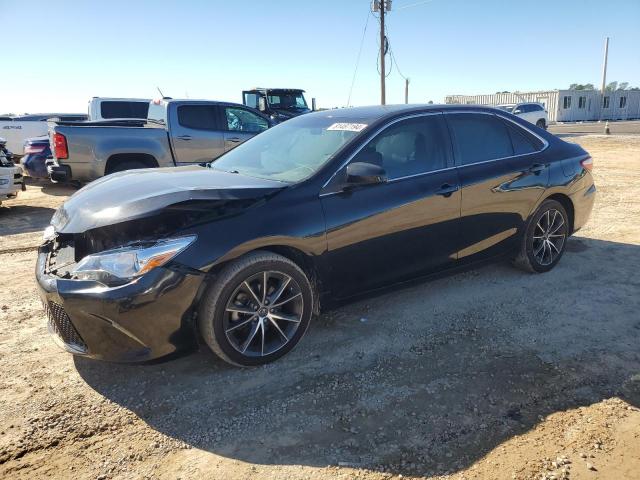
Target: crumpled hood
x: 135, y: 194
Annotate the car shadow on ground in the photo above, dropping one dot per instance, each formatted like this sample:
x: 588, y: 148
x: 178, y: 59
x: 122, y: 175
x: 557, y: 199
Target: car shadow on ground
x: 58, y: 189
x: 16, y: 219
x: 423, y: 380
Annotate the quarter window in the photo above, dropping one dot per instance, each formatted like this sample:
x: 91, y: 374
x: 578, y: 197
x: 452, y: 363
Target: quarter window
x: 198, y: 117
x: 241, y: 120
x: 522, y: 141
x: 479, y: 137
x: 582, y: 102
x: 566, y: 102
x: 409, y: 147
x: 623, y: 102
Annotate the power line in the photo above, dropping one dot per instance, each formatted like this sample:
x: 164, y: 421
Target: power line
x: 355, y: 71
x: 390, y: 50
x: 414, y: 4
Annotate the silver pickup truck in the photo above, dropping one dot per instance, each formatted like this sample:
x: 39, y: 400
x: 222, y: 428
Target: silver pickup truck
x: 176, y: 132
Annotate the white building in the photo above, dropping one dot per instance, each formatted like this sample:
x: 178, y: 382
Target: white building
x: 567, y: 105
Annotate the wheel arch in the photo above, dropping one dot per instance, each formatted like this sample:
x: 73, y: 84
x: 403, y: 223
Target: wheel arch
x: 567, y: 203
x: 301, y: 258
x: 149, y: 160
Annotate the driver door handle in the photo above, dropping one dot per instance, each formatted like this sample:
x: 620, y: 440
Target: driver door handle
x: 184, y: 137
x: 233, y: 139
x: 446, y: 190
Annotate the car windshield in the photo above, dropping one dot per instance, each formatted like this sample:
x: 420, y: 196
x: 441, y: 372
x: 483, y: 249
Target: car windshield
x: 291, y: 151
x: 506, y: 108
x: 287, y: 101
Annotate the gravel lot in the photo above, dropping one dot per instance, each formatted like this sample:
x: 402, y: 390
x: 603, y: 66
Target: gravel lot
x: 492, y: 373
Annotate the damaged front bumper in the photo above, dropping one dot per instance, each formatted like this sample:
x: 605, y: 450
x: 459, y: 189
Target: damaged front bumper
x: 145, y: 319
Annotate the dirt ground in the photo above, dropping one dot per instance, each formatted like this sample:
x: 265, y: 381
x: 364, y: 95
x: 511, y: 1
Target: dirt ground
x: 492, y: 373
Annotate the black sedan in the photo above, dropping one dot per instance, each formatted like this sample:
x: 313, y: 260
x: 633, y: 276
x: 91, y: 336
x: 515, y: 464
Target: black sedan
x: 323, y: 207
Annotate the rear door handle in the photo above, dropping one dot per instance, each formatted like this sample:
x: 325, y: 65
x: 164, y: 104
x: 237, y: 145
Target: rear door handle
x: 446, y: 190
x: 537, y: 168
x: 184, y: 137
x: 233, y: 139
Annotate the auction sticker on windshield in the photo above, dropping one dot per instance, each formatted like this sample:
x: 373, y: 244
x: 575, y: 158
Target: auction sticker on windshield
x: 348, y: 127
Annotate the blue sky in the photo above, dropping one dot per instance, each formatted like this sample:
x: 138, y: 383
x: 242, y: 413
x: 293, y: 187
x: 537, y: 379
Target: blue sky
x: 61, y: 53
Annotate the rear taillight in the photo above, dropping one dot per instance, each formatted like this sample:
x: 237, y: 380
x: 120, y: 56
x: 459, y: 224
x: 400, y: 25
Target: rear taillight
x: 34, y: 149
x: 60, y: 146
x: 587, y: 163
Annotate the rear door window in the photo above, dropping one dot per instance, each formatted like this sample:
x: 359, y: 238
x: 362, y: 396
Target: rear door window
x: 198, y: 117
x: 479, y: 137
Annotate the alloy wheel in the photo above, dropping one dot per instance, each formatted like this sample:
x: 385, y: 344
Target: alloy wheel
x: 263, y: 313
x: 549, y: 236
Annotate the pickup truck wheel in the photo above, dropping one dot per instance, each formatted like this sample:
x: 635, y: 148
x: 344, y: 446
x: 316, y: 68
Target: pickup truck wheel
x: 128, y: 165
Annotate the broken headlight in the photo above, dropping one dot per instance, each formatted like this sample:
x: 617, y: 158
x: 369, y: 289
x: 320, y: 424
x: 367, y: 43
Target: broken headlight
x: 127, y: 263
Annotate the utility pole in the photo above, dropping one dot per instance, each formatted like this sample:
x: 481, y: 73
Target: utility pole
x: 604, y: 74
x: 604, y: 64
x: 382, y: 6
x: 406, y: 90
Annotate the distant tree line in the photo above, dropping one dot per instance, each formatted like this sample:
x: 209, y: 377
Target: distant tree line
x: 611, y: 87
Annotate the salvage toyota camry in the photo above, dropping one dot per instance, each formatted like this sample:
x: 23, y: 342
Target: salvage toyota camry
x: 243, y: 252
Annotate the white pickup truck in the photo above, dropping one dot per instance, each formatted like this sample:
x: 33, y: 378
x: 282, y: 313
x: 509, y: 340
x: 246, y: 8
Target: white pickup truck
x: 17, y: 129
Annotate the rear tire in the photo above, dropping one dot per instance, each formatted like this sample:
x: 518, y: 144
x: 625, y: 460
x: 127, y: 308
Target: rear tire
x: 544, y: 239
x: 128, y: 165
x: 257, y: 309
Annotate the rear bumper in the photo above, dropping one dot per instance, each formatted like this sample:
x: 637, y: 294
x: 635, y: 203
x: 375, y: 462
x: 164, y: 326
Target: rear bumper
x: 34, y: 165
x: 57, y: 172
x: 583, y: 205
x: 145, y: 319
x: 11, y: 183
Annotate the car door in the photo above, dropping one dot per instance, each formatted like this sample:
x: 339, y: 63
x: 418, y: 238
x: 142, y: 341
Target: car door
x: 196, y: 133
x: 502, y: 176
x: 404, y: 227
x: 240, y: 124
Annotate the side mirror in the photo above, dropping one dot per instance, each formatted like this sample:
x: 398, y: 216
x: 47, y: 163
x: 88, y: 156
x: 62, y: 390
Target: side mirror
x: 360, y: 173
x: 262, y: 104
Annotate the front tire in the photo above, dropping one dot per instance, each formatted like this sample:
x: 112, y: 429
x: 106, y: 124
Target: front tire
x: 257, y: 310
x: 541, y: 123
x: 544, y: 239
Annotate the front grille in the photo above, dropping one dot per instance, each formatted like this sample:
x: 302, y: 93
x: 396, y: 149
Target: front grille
x: 60, y: 324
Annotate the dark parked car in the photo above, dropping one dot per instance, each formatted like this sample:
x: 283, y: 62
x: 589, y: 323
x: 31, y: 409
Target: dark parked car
x: 36, y: 152
x: 320, y: 208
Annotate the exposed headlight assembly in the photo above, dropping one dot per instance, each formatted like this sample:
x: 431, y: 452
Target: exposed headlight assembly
x: 127, y: 263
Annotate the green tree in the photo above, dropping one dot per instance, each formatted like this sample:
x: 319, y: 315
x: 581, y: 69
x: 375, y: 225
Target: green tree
x: 580, y: 86
x: 611, y: 87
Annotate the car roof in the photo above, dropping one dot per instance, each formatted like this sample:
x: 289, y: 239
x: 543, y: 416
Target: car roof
x: 374, y: 113
x: 272, y: 89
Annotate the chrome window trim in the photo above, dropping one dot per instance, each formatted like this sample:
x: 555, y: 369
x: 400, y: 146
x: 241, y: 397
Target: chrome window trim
x: 545, y: 145
x: 370, y: 137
